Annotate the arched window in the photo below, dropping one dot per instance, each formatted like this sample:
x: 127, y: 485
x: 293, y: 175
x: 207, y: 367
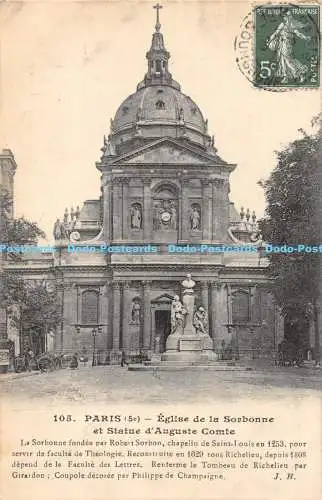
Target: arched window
x: 158, y: 66
x: 90, y: 307
x: 160, y: 104
x: 240, y: 307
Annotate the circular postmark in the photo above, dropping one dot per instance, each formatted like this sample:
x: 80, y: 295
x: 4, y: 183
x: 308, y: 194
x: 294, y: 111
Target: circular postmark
x: 278, y: 47
x: 244, y: 48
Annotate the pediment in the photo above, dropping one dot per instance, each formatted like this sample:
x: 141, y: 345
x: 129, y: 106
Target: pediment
x: 167, y: 152
x: 165, y: 298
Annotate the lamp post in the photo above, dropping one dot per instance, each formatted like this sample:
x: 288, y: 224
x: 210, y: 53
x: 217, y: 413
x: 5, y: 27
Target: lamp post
x: 94, y: 332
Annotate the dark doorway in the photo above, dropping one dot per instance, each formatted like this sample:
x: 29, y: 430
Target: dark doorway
x: 162, y: 327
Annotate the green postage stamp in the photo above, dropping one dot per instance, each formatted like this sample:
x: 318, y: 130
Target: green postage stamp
x: 287, y: 46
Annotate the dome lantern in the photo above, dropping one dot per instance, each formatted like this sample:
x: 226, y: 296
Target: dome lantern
x: 158, y: 59
x: 158, y: 108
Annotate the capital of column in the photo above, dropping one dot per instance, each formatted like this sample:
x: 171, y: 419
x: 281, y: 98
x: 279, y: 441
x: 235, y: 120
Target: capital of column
x: 125, y: 180
x: 127, y: 285
x: 204, y: 285
x: 146, y: 181
x: 117, y: 180
x: 146, y: 284
x: 116, y: 285
x: 218, y: 183
x: 105, y: 180
x: 205, y: 182
x: 216, y: 285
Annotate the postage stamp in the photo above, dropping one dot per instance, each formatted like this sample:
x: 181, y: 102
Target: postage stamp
x: 286, y: 46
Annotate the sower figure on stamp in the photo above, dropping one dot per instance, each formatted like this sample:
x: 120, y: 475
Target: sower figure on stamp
x: 282, y: 41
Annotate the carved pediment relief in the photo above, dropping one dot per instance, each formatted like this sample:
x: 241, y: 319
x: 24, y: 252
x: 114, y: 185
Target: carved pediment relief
x: 165, y: 298
x: 166, y: 154
x: 166, y: 151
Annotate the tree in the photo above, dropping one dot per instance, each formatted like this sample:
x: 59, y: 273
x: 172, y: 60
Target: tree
x: 292, y: 195
x: 16, y: 231
x: 40, y: 310
x: 29, y: 303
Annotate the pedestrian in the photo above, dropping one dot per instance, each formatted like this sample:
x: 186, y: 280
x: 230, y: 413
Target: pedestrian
x: 74, y: 361
x: 123, y: 359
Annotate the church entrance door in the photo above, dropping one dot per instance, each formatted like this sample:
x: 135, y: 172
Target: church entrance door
x: 162, y: 327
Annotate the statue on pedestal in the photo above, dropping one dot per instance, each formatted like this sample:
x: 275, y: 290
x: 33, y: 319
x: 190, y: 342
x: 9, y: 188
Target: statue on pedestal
x: 60, y: 232
x: 136, y: 313
x: 189, y: 303
x: 178, y: 313
x: 200, y: 321
x: 136, y: 216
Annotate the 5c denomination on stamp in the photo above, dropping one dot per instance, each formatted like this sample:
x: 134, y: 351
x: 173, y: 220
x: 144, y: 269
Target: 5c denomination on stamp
x: 287, y: 46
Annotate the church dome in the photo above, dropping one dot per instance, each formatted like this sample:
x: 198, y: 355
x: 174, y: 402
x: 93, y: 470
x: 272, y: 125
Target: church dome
x: 160, y: 104
x: 158, y: 108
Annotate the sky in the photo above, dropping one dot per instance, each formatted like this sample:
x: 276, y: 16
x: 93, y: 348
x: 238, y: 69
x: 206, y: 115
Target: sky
x: 66, y: 66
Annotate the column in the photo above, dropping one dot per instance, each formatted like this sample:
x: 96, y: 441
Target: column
x: 184, y: 215
x: 206, y: 209
x: 215, y: 297
x: 117, y: 208
x: 104, y: 316
x: 205, y: 299
x: 106, y: 190
x: 220, y: 208
x: 126, y: 315
x: 146, y: 315
x: 125, y: 208
x: 147, y: 210
x: 116, y: 315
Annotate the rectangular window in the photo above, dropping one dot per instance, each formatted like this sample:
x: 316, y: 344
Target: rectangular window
x: 240, y: 306
x: 90, y: 307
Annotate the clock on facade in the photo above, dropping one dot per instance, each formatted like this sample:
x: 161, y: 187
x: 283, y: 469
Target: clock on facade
x: 165, y: 217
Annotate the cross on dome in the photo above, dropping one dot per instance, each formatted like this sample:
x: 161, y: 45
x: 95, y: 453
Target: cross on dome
x: 157, y: 7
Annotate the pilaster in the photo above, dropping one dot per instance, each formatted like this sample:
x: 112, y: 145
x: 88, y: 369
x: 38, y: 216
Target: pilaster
x: 116, y: 314
x: 126, y: 315
x: 206, y: 209
x: 107, y: 208
x: 146, y: 314
x: 205, y: 299
x: 184, y: 215
x: 117, y: 208
x: 125, y: 208
x: 220, y: 206
x: 147, y: 209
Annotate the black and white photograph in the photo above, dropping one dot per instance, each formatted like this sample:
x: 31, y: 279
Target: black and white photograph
x: 160, y: 250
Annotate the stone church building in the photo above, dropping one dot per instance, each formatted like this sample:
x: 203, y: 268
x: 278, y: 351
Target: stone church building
x: 163, y: 188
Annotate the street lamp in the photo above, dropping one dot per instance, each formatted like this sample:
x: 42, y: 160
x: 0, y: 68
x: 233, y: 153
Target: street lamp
x: 94, y: 332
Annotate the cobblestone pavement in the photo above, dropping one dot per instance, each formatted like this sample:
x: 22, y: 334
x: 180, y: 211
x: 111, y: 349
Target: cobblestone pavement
x: 113, y: 384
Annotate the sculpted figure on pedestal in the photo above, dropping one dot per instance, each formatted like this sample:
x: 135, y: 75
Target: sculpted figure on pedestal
x: 136, y: 217
x: 60, y: 232
x: 136, y: 313
x: 200, y: 321
x: 178, y: 313
x: 195, y: 219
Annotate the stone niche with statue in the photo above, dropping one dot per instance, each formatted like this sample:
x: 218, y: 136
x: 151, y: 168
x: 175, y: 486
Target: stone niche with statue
x: 189, y: 340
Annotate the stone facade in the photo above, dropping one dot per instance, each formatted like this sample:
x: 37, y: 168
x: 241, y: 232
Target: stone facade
x: 162, y: 185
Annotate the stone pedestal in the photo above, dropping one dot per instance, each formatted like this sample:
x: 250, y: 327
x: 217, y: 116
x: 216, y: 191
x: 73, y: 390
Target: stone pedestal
x: 172, y: 343
x: 189, y: 303
x: 186, y: 346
